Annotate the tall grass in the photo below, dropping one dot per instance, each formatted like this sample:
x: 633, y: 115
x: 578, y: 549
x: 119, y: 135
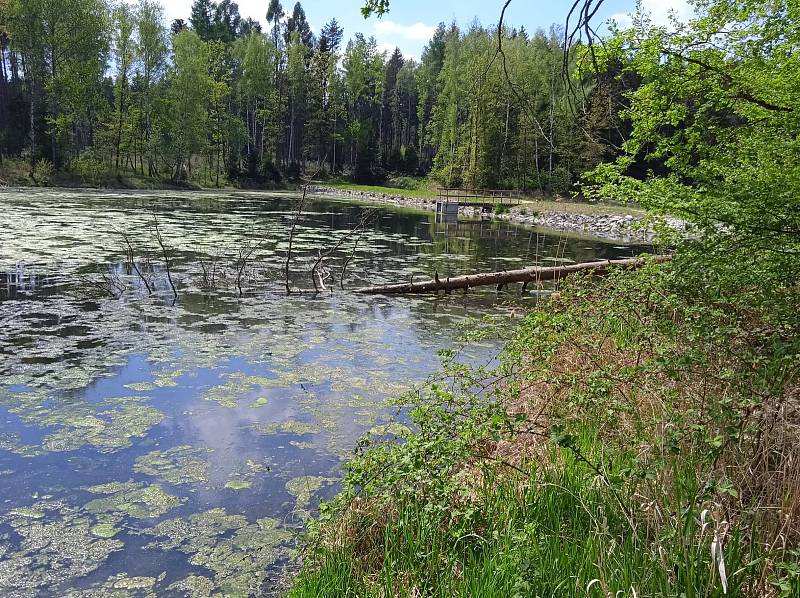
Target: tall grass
x: 555, y: 531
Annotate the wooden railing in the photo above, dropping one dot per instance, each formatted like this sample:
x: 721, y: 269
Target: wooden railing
x: 479, y: 196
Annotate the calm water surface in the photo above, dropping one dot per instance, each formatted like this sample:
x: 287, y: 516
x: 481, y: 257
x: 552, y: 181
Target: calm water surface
x: 172, y: 449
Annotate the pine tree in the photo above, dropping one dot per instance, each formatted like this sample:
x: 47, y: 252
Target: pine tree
x: 202, y: 18
x: 227, y: 21
x: 297, y: 23
x: 330, y: 38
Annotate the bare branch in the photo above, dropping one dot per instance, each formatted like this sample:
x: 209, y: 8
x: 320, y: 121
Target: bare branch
x: 132, y: 262
x: 166, y: 257
x: 298, y: 213
x: 366, y: 218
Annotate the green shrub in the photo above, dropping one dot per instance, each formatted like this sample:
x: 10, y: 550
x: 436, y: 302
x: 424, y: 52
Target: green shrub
x: 559, y: 182
x: 42, y: 172
x: 90, y: 168
x: 409, y: 183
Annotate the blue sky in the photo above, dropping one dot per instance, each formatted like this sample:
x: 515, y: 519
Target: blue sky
x: 410, y: 23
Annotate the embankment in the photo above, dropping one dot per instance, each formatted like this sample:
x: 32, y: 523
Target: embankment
x: 609, y: 223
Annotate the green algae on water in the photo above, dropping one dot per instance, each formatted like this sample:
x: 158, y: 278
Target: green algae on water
x: 237, y: 484
x: 287, y: 427
x: 121, y: 585
x: 235, y: 552
x: 303, y: 489
x: 108, y: 426
x: 301, y: 445
x: 11, y: 442
x: 133, y: 499
x: 194, y: 586
x: 105, y: 530
x: 178, y: 465
x: 55, y: 548
x: 27, y: 512
x: 141, y: 386
x: 238, y: 387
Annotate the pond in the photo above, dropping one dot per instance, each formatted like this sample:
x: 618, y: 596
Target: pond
x: 174, y: 447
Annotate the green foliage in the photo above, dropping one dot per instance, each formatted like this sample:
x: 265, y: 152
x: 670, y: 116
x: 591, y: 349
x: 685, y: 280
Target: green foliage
x: 42, y: 171
x: 64, y: 45
x: 91, y: 169
x: 190, y: 86
x: 220, y: 101
x: 717, y: 108
x: 502, y: 209
x: 507, y: 122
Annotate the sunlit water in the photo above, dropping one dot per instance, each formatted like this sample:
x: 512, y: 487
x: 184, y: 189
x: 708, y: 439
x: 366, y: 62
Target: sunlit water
x: 152, y: 447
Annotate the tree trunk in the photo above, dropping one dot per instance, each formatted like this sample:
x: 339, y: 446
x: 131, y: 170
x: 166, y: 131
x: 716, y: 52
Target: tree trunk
x: 119, y: 122
x: 333, y: 139
x: 525, y: 275
x: 33, y: 126
x: 53, y: 112
x: 505, y: 142
x: 3, y: 99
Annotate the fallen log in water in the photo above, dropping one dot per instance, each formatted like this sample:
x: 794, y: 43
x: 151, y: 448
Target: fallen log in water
x: 499, y: 279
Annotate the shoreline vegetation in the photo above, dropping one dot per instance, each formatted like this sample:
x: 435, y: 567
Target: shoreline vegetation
x: 632, y: 441
x: 640, y: 432
x: 601, y: 220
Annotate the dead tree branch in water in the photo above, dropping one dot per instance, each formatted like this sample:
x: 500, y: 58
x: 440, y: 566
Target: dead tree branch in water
x: 347, y: 261
x: 209, y: 279
x: 297, y: 215
x: 133, y: 264
x: 110, y: 284
x: 367, y: 217
x: 160, y: 241
x: 246, y: 252
x: 499, y: 279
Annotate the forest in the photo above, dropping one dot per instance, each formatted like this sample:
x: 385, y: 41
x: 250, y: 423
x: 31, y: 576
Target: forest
x: 102, y: 91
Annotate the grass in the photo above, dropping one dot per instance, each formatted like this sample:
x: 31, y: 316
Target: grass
x: 423, y: 191
x: 543, y: 206
x: 542, y: 532
x: 549, y: 537
x: 16, y: 173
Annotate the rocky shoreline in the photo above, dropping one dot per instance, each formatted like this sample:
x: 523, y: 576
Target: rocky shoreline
x: 625, y: 228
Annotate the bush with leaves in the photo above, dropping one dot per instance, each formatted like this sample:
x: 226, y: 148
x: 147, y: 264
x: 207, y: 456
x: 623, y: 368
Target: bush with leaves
x: 92, y: 170
x: 42, y: 172
x: 717, y: 107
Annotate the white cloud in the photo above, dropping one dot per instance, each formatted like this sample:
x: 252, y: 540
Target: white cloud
x: 389, y: 50
x: 419, y: 32
x: 659, y: 11
x: 409, y: 38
